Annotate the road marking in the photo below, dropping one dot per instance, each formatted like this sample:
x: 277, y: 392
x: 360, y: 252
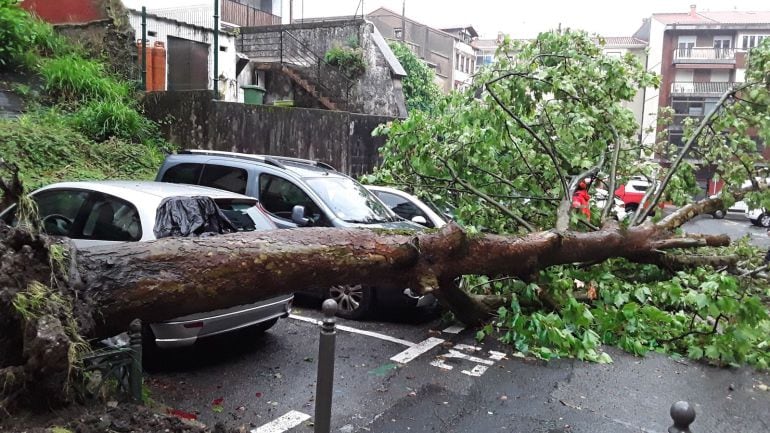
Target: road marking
x: 441, y: 364
x: 283, y: 423
x: 356, y: 331
x: 496, y: 356
x: 467, y: 347
x: 416, y: 350
x: 454, y: 329
x: 477, y: 371
x: 460, y: 355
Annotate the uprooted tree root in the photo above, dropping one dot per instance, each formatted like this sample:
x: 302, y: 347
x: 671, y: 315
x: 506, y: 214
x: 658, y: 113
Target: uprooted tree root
x: 40, y: 344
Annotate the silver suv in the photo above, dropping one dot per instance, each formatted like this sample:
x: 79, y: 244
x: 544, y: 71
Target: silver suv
x: 295, y: 193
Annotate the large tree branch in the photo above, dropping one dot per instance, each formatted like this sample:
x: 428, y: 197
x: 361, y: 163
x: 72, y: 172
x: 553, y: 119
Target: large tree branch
x: 646, y: 207
x: 613, y: 173
x: 535, y: 135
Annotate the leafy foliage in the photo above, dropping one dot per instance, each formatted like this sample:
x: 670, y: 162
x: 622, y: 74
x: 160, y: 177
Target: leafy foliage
x: 503, y: 154
x: 24, y: 38
x: 48, y: 150
x: 420, y: 90
x: 350, y: 59
x: 73, y: 78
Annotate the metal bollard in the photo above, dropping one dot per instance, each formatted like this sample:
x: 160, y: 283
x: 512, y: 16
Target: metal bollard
x: 135, y: 374
x: 325, y: 378
x: 683, y: 415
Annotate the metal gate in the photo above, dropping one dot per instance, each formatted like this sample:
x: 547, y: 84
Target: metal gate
x: 188, y: 64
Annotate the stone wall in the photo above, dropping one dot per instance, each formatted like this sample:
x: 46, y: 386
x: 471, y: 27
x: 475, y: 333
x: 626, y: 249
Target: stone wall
x: 194, y: 120
x: 378, y: 91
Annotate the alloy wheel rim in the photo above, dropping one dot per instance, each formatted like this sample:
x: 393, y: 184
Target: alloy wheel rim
x: 348, y: 298
x: 765, y: 220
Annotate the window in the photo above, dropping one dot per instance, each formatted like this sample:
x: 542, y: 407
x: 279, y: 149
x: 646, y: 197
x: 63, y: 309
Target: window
x: 245, y: 216
x: 350, y: 201
x: 402, y: 207
x: 751, y: 41
x: 58, y: 209
x: 398, y: 33
x: 613, y: 54
x: 722, y: 47
x: 110, y: 219
x: 279, y: 196
x: 183, y: 173
x: 685, y: 44
x: 222, y: 177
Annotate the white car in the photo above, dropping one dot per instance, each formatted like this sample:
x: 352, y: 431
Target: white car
x: 759, y: 217
x: 109, y: 212
x: 599, y: 199
x: 408, y: 206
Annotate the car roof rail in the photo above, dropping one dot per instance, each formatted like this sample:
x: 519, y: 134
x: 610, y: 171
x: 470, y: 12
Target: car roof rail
x: 269, y: 159
x: 246, y: 156
x: 304, y: 161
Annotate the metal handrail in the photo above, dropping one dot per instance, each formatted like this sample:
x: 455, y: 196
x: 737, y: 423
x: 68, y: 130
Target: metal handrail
x: 296, y: 53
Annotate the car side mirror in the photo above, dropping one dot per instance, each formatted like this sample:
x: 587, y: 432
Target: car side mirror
x: 298, y: 216
x: 419, y: 219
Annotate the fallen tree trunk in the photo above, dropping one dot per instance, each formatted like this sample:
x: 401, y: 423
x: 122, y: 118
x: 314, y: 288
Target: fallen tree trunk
x: 102, y: 289
x: 160, y: 280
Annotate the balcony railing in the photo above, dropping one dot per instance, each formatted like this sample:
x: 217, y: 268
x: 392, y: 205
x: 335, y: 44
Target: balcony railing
x: 704, y: 55
x: 243, y: 15
x: 688, y: 88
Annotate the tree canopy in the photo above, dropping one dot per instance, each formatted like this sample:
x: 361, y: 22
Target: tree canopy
x: 507, y: 155
x: 420, y: 90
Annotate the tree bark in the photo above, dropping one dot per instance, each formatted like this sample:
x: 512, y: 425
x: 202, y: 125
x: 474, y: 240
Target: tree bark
x: 159, y: 280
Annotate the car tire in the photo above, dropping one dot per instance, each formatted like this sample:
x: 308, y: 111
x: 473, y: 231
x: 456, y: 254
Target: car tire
x: 150, y: 351
x: 353, y: 301
x: 764, y: 220
x: 754, y: 222
x: 719, y: 214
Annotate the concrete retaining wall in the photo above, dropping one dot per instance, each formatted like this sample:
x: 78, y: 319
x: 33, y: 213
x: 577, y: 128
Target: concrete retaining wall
x: 193, y: 120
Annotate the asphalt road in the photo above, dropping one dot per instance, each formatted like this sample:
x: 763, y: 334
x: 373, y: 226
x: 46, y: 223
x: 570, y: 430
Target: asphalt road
x: 734, y: 225
x: 266, y: 383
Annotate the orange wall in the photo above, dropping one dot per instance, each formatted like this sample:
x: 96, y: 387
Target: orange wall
x: 71, y: 11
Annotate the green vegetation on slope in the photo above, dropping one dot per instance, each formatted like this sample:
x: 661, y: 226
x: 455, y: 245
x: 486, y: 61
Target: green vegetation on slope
x: 82, y: 122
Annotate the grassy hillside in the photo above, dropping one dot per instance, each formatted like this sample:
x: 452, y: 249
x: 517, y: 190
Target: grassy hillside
x: 80, y: 121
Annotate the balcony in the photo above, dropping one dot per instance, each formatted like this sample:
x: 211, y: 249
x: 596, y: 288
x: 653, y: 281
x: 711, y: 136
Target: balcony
x: 244, y: 15
x: 704, y: 55
x: 680, y: 88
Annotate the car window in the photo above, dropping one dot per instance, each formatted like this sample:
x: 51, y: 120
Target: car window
x: 222, y: 177
x: 279, y: 196
x: 245, y: 216
x: 58, y: 209
x: 183, y: 173
x: 349, y: 200
x: 402, y: 207
x: 110, y: 219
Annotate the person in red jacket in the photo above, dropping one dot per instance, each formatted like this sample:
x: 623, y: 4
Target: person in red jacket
x: 580, y: 199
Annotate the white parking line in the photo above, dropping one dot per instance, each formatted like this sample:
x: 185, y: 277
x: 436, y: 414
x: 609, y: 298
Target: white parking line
x: 356, y: 331
x: 460, y: 355
x: 454, y: 329
x: 416, y: 350
x: 476, y: 371
x: 283, y: 423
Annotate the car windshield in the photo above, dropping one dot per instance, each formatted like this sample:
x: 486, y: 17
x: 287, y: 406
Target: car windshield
x: 245, y: 216
x: 350, y: 201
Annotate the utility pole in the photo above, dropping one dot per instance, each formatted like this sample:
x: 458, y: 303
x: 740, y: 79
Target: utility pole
x: 403, y: 21
x: 291, y: 11
x: 216, y: 49
x: 144, y: 48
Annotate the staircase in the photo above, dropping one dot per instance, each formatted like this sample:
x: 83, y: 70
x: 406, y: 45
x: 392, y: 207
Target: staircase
x: 283, y: 52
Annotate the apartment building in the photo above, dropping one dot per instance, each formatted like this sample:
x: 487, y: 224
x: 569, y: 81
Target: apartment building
x: 464, y: 58
x: 620, y: 46
x: 699, y: 55
x: 449, y: 52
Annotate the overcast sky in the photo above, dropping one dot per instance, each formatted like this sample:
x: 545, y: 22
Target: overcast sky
x: 519, y: 18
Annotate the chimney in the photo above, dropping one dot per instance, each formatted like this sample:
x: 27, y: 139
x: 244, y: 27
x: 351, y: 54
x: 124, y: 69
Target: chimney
x: 693, y: 10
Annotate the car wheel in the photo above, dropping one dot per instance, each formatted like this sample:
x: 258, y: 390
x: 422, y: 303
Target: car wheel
x: 353, y: 302
x: 764, y: 220
x: 719, y: 214
x: 150, y: 351
x: 754, y: 222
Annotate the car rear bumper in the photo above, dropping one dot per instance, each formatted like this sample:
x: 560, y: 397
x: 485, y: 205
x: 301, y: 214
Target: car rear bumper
x: 185, y: 331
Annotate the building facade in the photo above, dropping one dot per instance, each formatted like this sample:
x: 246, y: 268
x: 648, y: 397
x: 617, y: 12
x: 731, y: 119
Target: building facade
x: 699, y: 56
x: 620, y: 46
x: 464, y: 56
x: 449, y: 55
